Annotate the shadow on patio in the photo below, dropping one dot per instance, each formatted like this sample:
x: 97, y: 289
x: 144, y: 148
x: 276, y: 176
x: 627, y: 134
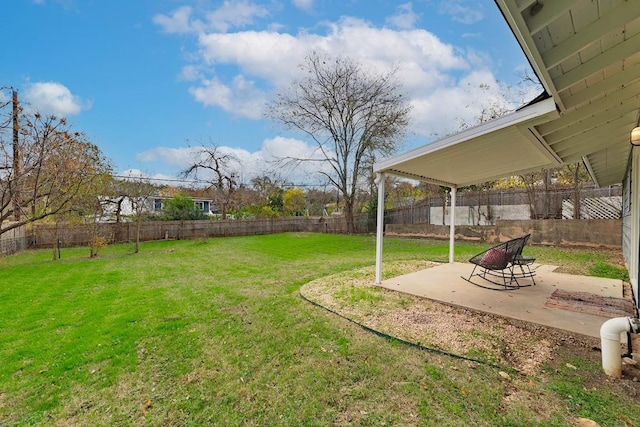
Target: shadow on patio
x: 578, y: 304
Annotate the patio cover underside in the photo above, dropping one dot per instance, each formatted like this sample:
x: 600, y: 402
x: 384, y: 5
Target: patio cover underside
x: 503, y: 147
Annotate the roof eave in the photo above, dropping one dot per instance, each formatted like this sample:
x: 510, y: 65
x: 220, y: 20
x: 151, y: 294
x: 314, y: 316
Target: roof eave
x: 519, y: 28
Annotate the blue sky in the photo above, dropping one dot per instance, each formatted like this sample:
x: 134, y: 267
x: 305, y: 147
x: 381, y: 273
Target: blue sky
x: 148, y: 80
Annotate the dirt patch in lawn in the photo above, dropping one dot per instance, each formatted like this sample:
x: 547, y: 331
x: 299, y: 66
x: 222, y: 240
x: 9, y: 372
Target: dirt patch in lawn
x: 510, y: 344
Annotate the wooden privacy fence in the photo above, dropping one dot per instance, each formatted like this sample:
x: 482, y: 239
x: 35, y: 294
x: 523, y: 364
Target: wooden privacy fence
x: 45, y: 235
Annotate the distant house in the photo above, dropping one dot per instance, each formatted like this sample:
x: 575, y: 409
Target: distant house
x: 157, y: 204
x: 154, y: 205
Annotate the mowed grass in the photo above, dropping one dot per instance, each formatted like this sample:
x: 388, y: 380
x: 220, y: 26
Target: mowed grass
x: 214, y: 332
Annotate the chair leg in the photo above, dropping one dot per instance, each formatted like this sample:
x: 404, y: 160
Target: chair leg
x: 507, y: 279
x: 527, y: 273
x: 522, y: 274
x: 473, y: 271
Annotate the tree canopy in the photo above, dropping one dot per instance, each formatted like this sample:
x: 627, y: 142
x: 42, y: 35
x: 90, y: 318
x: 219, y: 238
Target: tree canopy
x: 181, y: 207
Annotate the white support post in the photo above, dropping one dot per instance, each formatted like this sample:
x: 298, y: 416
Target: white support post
x: 380, y: 227
x: 452, y: 225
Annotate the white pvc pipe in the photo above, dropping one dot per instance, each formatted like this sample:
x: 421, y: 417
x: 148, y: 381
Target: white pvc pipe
x: 610, y: 342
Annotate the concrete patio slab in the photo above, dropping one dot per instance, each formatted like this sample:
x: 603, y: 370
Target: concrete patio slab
x: 444, y: 283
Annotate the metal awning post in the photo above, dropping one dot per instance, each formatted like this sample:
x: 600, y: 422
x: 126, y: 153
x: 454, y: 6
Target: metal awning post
x: 380, y: 226
x: 452, y: 225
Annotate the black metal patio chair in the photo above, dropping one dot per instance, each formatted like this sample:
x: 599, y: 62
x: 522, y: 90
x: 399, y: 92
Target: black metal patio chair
x: 496, y: 266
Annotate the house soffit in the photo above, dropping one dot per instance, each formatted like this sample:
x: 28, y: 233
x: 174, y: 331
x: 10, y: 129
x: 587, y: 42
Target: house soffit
x: 586, y: 55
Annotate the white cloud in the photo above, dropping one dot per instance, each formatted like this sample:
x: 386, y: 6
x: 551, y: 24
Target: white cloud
x: 268, y: 55
x: 179, y: 22
x: 464, y: 11
x: 176, y: 157
x: 191, y: 73
x: 231, y: 14
x: 267, y: 61
x: 240, y: 98
x: 54, y: 98
x: 404, y: 18
x: 158, y: 178
x: 234, y: 14
x: 304, y: 4
x: 446, y: 109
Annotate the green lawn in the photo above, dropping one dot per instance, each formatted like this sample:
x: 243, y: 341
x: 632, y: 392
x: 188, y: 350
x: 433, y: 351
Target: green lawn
x: 214, y: 332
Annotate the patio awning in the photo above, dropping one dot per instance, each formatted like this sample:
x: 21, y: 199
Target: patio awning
x: 501, y: 147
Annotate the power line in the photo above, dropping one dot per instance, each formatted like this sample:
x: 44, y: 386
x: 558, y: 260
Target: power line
x: 129, y: 177
x: 200, y: 181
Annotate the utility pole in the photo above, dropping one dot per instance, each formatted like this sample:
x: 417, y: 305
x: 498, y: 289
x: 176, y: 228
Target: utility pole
x: 17, y: 199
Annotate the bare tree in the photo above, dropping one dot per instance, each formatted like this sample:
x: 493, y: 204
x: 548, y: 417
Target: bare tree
x: 90, y: 208
x: 134, y: 192
x: 217, y: 168
x: 351, y: 114
x: 54, y: 168
x: 574, y: 175
x: 138, y: 191
x: 114, y: 198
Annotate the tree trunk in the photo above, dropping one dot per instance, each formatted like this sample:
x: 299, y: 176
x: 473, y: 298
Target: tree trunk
x: 489, y: 211
x: 576, y: 192
x: 348, y: 215
x: 17, y: 160
x: 547, y: 196
x: 531, y: 196
x: 136, y: 246
x: 119, y: 211
x: 93, y: 250
x: 56, y: 244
